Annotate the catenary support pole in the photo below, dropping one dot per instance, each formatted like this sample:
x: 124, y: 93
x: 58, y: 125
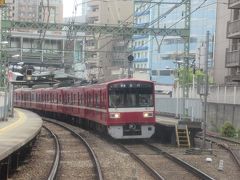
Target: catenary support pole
x: 206, y: 92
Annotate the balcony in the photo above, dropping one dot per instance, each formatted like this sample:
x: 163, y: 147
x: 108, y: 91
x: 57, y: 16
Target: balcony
x: 232, y: 58
x: 140, y: 48
x: 232, y: 79
x: 234, y: 4
x: 140, y: 59
x: 233, y: 29
x: 143, y: 13
x: 142, y: 25
x: 135, y: 37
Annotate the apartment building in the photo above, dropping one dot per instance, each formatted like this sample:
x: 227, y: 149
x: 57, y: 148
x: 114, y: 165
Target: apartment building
x: 232, y: 57
x: 34, y: 46
x: 157, y: 55
x: 36, y: 10
x: 100, y: 48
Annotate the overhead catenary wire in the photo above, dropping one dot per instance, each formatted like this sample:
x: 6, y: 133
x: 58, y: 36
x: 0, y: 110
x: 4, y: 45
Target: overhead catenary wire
x: 154, y: 4
x: 200, y: 6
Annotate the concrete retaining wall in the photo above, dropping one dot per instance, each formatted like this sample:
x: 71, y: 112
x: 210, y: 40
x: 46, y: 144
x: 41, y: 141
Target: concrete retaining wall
x: 220, y: 113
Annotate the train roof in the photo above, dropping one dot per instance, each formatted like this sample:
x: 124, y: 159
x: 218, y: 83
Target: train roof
x: 128, y: 80
x: 87, y: 85
x: 23, y: 89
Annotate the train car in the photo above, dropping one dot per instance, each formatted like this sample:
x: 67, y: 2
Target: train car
x: 123, y: 108
x: 130, y: 109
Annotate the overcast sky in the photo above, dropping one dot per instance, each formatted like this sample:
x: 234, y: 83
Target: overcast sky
x: 68, y: 7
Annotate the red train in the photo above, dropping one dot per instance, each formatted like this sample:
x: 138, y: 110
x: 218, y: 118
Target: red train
x: 123, y: 108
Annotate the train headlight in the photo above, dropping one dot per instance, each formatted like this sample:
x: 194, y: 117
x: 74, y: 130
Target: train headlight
x: 114, y: 115
x: 147, y: 114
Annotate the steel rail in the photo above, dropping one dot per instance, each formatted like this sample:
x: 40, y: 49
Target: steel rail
x: 223, y: 138
x: 152, y: 171
x: 182, y: 163
x: 225, y: 146
x: 54, y: 169
x: 90, y: 150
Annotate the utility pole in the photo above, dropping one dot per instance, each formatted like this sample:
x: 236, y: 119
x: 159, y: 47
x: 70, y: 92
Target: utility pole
x: 205, y: 92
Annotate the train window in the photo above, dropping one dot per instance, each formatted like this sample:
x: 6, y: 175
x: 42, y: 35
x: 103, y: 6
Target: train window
x: 131, y: 95
x: 63, y: 98
x: 97, y: 102
x: 81, y: 99
x: 75, y: 99
x: 89, y: 99
x: 100, y: 98
x: 68, y: 99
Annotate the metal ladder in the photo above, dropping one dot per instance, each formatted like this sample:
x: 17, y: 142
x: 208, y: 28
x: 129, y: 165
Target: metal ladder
x: 182, y: 136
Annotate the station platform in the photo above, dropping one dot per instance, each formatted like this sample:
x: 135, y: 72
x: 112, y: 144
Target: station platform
x: 171, y: 122
x: 18, y: 131
x: 166, y: 128
x: 167, y: 121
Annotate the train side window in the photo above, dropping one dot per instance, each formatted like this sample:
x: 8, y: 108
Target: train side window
x: 84, y: 101
x: 100, y: 98
x: 103, y: 98
x: 75, y: 99
x: 68, y: 98
x: 78, y: 102
x: 96, y: 100
x: 81, y: 99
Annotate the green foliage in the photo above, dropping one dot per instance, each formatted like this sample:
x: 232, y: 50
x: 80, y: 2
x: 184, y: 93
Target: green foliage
x: 228, y: 130
x: 238, y: 133
x: 185, y: 75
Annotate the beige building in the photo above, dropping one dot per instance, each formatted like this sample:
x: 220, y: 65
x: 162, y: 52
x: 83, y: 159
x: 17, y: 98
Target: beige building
x: 221, y: 44
x: 105, y: 54
x: 233, y: 51
x: 36, y: 10
x: 227, y: 51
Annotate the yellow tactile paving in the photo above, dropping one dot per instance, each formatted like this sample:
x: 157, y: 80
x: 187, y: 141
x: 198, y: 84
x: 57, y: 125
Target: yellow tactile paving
x: 21, y: 119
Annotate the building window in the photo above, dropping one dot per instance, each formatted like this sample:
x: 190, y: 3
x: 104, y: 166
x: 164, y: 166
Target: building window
x: 165, y: 73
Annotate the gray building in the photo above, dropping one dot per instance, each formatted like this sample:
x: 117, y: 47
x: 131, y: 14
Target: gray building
x: 36, y: 47
x: 227, y: 51
x: 221, y: 43
x: 99, y: 48
x: 232, y: 61
x: 36, y: 10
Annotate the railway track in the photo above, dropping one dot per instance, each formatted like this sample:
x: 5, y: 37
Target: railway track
x: 146, y: 166
x: 73, y: 152
x: 54, y: 168
x: 232, y: 146
x: 161, y: 164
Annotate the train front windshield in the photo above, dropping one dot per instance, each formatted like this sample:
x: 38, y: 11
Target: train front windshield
x: 131, y: 94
